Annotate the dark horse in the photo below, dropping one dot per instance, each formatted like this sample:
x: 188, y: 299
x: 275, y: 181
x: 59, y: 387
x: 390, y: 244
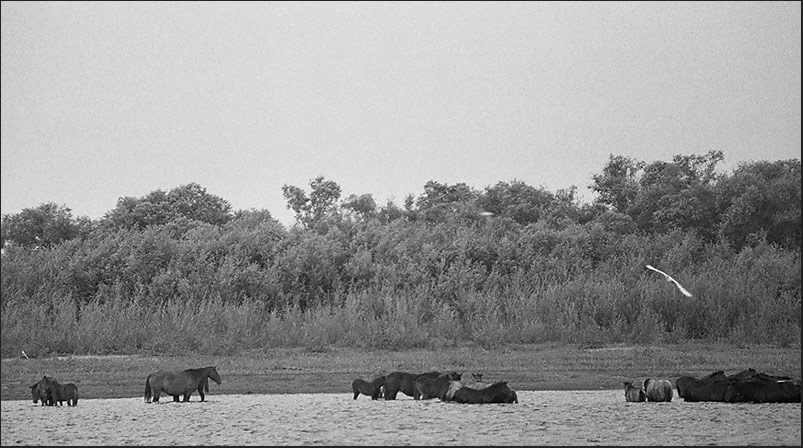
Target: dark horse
x: 403, y: 381
x: 39, y: 393
x: 180, y: 383
x: 51, y: 392
x: 425, y: 387
x: 745, y: 386
x: 372, y: 389
x: 495, y: 393
x: 634, y: 393
x: 763, y: 388
x: 710, y: 388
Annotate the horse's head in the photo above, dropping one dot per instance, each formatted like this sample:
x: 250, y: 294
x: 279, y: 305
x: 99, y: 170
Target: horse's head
x: 39, y: 391
x: 214, y: 375
x: 454, y: 386
x: 454, y: 376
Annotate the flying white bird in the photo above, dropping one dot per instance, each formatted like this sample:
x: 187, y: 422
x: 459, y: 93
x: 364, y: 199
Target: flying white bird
x: 670, y: 279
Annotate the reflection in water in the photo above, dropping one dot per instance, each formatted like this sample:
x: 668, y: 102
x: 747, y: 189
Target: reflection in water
x: 540, y: 418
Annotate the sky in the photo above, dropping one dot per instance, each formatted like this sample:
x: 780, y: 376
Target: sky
x: 104, y: 100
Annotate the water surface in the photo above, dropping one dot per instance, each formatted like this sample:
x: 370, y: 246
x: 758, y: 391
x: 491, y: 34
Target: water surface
x: 540, y: 418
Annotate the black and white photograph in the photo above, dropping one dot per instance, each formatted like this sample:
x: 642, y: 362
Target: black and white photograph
x: 433, y: 223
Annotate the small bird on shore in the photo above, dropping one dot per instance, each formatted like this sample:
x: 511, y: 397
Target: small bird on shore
x: 24, y: 355
x: 670, y: 279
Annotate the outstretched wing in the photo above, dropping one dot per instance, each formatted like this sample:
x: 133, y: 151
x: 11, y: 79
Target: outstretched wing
x: 680, y: 287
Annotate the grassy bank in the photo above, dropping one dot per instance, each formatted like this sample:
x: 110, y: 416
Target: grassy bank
x: 331, y: 369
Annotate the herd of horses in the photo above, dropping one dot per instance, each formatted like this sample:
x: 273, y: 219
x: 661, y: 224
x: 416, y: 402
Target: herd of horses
x: 444, y: 386
x: 179, y: 385
x: 747, y: 386
x: 49, y: 392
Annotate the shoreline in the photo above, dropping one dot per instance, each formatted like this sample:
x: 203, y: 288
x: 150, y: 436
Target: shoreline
x: 547, y: 366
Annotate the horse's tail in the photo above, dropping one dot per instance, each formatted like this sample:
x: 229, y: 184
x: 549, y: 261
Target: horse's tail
x: 148, y: 389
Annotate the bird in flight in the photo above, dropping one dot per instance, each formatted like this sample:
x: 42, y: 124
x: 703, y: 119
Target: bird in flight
x: 670, y: 279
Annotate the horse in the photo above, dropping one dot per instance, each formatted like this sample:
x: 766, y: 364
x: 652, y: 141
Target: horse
x: 454, y: 386
x: 372, y: 389
x: 763, y: 388
x: 180, y: 383
x: 634, y: 393
x: 425, y: 388
x: 710, y: 388
x: 658, y: 390
x: 403, y: 381
x: 39, y: 393
x: 496, y: 393
x: 59, y: 393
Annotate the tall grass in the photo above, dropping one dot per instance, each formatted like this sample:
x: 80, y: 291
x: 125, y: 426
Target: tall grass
x: 392, y: 287
x: 736, y: 300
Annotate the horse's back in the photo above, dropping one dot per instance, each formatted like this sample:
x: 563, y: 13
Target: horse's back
x: 658, y: 390
x: 169, y: 382
x: 157, y: 378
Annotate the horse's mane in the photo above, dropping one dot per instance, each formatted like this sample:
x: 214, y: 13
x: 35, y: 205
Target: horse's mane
x: 51, y: 380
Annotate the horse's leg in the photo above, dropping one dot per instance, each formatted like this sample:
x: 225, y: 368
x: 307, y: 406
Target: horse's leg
x: 175, y: 398
x: 201, y: 391
x: 187, y: 396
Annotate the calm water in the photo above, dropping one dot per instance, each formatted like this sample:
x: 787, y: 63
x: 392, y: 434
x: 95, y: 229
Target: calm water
x: 540, y: 417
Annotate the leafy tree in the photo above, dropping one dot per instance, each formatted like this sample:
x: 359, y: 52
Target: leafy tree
x: 661, y: 196
x: 189, y: 201
x: 44, y: 226
x: 389, y: 212
x: 363, y: 205
x: 441, y: 202
x: 678, y: 195
x: 436, y: 194
x: 618, y: 186
x: 313, y: 209
x: 761, y: 197
x: 192, y: 201
x: 564, y: 209
x: 517, y: 200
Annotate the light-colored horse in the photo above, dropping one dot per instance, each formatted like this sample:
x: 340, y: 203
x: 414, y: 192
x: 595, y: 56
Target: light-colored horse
x: 180, y: 383
x: 658, y: 390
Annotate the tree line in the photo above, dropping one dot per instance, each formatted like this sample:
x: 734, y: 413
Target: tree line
x: 508, y: 263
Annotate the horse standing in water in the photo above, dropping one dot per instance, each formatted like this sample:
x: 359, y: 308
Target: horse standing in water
x: 657, y: 390
x: 180, y: 383
x: 634, y: 393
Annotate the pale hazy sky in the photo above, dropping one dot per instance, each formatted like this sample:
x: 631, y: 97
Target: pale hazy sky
x: 102, y: 100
